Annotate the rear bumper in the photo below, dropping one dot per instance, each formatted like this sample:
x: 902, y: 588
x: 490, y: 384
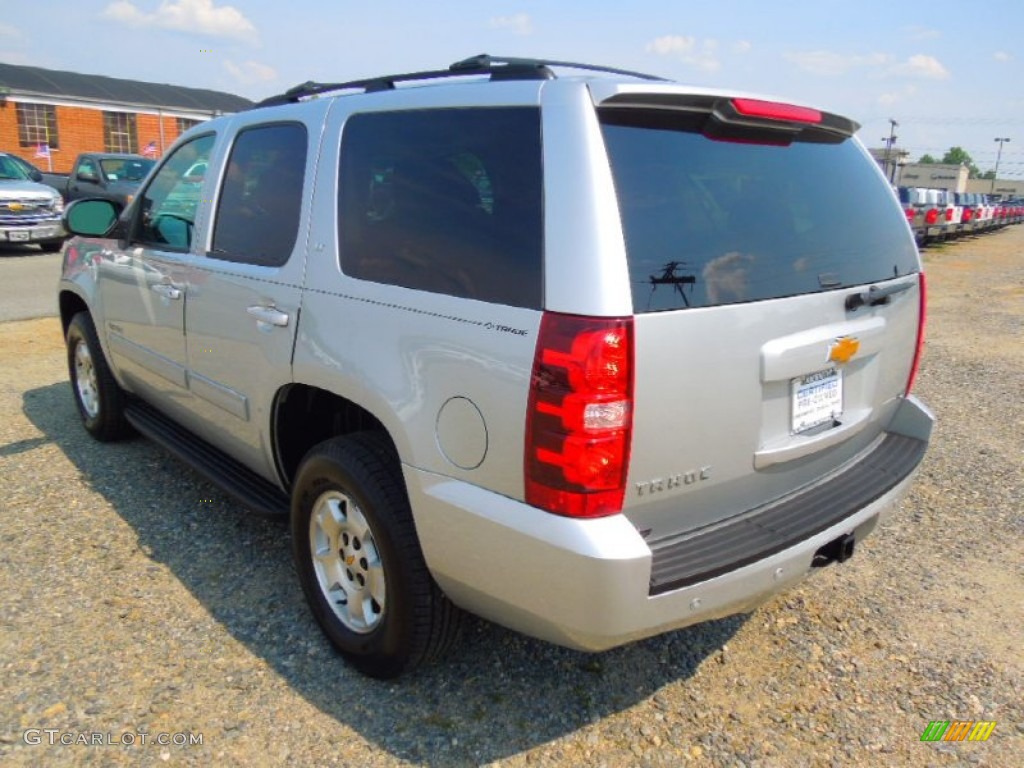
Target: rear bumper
x: 594, y: 584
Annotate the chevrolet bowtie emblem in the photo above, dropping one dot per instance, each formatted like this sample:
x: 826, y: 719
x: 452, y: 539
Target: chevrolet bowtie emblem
x: 842, y: 349
x: 16, y: 206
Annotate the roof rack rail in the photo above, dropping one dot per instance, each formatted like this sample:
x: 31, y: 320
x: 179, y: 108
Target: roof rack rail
x: 496, y: 67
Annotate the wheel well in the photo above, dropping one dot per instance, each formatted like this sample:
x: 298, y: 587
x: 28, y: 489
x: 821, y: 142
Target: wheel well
x: 305, y: 416
x: 70, y: 305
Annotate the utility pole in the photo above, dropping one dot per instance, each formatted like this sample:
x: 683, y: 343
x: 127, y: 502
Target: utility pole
x: 995, y: 173
x: 888, y: 150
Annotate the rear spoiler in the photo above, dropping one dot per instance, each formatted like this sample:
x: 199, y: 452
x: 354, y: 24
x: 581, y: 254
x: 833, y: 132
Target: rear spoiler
x: 741, y: 117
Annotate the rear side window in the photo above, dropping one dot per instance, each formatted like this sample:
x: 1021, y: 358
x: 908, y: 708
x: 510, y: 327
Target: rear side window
x: 261, y: 195
x: 712, y: 222
x: 447, y: 201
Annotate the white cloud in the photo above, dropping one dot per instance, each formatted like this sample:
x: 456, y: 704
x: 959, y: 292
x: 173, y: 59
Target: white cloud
x: 1002, y: 56
x: 6, y: 30
x: 830, y: 63
x: 519, y: 24
x: 895, y: 97
x: 702, y: 54
x: 923, y: 66
x: 742, y: 46
x: 200, y: 16
x: 922, y: 33
x: 251, y: 72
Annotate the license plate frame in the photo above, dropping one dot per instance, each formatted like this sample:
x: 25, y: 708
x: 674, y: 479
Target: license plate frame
x: 815, y: 399
x: 19, y: 235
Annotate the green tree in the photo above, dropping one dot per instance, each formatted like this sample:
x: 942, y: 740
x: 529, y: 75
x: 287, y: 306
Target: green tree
x: 927, y: 160
x: 988, y: 175
x: 958, y: 156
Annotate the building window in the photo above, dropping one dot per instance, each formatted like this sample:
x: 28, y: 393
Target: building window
x: 184, y: 123
x: 37, y: 124
x: 119, y: 132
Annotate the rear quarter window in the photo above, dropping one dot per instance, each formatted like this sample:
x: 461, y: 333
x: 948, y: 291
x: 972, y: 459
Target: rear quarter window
x: 710, y: 222
x: 444, y: 200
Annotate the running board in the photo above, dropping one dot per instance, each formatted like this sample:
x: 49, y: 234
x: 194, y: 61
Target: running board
x: 251, y: 490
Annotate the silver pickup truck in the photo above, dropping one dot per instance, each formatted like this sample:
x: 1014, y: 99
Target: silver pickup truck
x: 29, y: 212
x: 593, y: 356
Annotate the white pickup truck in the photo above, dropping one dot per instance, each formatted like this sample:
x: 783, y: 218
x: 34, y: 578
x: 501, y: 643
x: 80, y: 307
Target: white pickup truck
x: 29, y: 212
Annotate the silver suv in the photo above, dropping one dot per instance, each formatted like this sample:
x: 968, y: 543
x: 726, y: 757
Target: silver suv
x: 594, y: 357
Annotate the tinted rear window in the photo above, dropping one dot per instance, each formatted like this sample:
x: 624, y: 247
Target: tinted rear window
x: 716, y: 222
x: 447, y: 201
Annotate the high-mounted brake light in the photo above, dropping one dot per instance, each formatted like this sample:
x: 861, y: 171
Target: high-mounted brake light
x: 921, y: 317
x: 773, y: 110
x: 580, y: 415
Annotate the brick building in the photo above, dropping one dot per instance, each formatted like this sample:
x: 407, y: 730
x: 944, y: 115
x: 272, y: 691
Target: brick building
x: 72, y: 113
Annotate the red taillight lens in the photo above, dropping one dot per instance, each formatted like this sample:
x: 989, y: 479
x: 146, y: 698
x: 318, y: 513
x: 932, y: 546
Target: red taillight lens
x: 919, y: 349
x: 932, y: 216
x: 773, y: 110
x: 967, y: 215
x: 949, y: 214
x: 910, y: 213
x: 580, y: 415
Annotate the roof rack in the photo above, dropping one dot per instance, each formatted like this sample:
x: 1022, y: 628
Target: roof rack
x: 496, y: 67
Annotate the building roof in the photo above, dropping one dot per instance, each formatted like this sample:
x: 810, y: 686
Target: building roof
x: 36, y: 81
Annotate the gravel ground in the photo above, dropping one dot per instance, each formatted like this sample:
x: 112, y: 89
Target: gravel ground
x: 138, y: 600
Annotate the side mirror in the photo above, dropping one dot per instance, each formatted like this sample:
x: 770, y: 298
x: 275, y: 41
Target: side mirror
x: 91, y: 218
x: 35, y: 175
x: 85, y: 175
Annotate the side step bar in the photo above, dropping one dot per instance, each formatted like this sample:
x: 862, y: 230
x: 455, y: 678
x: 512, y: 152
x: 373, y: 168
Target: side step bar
x: 251, y: 490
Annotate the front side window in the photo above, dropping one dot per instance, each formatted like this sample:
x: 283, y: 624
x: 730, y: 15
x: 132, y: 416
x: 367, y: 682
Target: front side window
x: 261, y: 196
x: 119, y: 132
x: 447, y: 201
x: 37, y: 124
x: 167, y: 207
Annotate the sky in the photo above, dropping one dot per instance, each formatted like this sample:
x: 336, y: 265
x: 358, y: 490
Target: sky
x: 950, y: 73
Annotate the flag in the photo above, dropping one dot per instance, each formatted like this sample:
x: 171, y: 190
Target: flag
x: 150, y: 149
x: 43, y: 150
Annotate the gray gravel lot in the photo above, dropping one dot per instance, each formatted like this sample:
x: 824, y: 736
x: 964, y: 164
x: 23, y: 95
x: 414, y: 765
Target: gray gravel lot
x: 28, y: 282
x: 139, y: 600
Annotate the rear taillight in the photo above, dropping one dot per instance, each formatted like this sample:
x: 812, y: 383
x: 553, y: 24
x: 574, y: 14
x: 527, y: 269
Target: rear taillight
x: 580, y: 415
x: 932, y: 216
x: 921, y: 316
x: 910, y: 213
x: 949, y: 214
x: 968, y: 213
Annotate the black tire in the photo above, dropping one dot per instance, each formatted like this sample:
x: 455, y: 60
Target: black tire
x: 413, y: 622
x: 51, y: 246
x: 99, y: 399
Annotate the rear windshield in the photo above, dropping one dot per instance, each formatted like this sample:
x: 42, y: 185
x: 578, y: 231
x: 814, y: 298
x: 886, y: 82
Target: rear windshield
x: 710, y: 222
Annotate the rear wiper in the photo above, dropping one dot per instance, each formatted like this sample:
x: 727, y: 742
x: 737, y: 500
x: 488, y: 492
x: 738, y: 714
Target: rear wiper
x: 875, y: 296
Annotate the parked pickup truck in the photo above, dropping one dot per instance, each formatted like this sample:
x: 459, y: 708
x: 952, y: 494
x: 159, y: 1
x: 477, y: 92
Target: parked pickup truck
x: 29, y: 212
x: 96, y: 175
